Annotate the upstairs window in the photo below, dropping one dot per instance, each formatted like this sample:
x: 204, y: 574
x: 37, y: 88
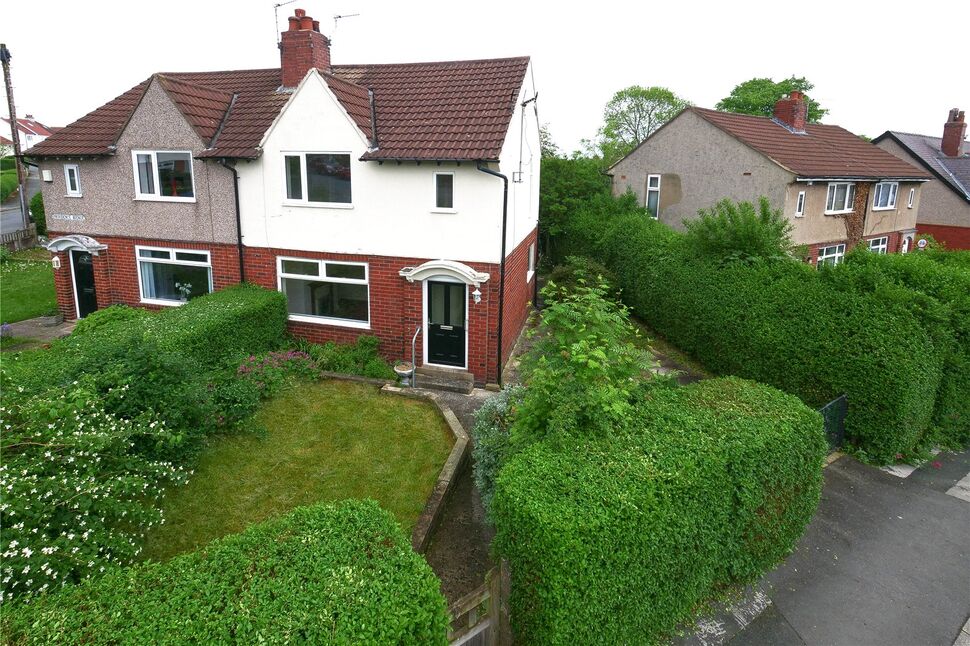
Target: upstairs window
x: 879, y: 245
x: 831, y: 255
x: 800, y: 204
x: 653, y: 195
x: 884, y: 196
x: 317, y: 179
x: 163, y: 175
x: 72, y: 180
x: 912, y: 198
x: 444, y: 191
x: 840, y: 197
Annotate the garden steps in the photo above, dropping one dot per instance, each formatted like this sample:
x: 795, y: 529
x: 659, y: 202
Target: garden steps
x: 453, y: 380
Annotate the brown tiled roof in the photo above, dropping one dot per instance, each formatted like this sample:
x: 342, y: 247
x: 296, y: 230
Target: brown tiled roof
x: 204, y: 108
x: 457, y: 110
x: 454, y: 110
x: 96, y: 132
x: 823, y: 151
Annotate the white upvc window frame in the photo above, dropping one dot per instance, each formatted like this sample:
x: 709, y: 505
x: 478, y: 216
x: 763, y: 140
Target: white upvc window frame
x: 652, y: 189
x: 68, y: 191
x: 800, y: 205
x: 531, y: 271
x: 911, y: 199
x: 305, y: 199
x: 879, y: 190
x: 434, y: 193
x: 835, y: 252
x: 172, y: 260
x: 157, y: 196
x: 879, y: 245
x: 847, y: 205
x: 322, y: 277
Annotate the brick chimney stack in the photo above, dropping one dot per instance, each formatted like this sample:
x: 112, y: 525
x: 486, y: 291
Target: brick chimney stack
x: 954, y: 131
x: 302, y: 46
x: 792, y: 110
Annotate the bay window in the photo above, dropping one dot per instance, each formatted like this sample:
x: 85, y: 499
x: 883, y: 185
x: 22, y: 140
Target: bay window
x: 164, y: 175
x: 840, y: 197
x: 317, y: 178
x: 325, y: 291
x: 172, y: 276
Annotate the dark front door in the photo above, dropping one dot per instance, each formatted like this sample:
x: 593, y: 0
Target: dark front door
x: 87, y: 299
x: 446, y: 324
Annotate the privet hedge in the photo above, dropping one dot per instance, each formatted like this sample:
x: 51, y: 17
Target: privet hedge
x: 780, y: 323
x: 616, y: 538
x: 338, y: 573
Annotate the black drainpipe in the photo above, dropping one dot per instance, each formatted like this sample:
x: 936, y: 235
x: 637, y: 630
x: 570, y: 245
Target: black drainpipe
x: 239, y: 244
x: 501, y: 272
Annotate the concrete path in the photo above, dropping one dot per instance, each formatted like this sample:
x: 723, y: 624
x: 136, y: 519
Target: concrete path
x: 885, y: 561
x: 10, y: 216
x: 35, y: 333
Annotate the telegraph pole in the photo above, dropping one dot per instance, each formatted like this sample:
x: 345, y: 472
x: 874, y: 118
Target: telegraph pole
x: 15, y: 134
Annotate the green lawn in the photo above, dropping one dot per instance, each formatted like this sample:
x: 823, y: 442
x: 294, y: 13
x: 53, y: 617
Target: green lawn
x: 26, y: 287
x: 8, y: 182
x: 325, y: 441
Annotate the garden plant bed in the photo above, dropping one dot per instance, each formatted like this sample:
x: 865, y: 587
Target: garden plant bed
x: 26, y: 286
x: 323, y: 441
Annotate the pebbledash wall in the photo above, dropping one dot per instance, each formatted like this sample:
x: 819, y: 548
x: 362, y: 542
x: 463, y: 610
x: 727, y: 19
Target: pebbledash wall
x: 396, y: 306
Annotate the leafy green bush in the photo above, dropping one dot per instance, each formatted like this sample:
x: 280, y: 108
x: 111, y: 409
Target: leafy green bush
x: 8, y: 162
x: 37, y: 213
x: 781, y: 323
x: 706, y: 485
x: 76, y: 498
x: 8, y: 183
x: 109, y: 316
x: 565, y: 186
x: 737, y: 232
x: 491, y: 441
x: 337, y: 573
x: 361, y: 357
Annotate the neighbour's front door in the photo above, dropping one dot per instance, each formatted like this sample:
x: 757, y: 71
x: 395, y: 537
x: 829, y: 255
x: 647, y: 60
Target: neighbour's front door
x: 446, y: 323
x: 83, y: 268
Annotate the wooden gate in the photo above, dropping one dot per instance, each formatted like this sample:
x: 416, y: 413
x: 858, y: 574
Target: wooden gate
x: 481, y: 617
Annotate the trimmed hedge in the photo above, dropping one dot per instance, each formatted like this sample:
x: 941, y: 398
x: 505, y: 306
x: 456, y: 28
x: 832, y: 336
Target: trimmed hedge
x: 777, y: 322
x: 617, y: 538
x: 338, y: 573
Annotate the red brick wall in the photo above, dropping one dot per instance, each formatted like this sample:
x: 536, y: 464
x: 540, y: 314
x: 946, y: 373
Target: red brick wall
x: 518, y: 293
x: 116, y: 271
x: 952, y: 237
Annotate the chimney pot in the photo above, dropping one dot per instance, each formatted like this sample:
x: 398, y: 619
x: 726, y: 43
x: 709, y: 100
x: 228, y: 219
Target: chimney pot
x: 299, y: 13
x: 302, y: 47
x: 316, y: 25
x: 954, y: 132
x: 306, y: 22
x: 294, y: 23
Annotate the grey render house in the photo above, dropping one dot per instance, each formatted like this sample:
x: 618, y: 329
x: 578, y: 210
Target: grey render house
x: 945, y: 202
x: 837, y: 189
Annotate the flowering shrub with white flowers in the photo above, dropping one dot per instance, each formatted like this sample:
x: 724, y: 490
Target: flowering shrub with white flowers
x: 74, y: 498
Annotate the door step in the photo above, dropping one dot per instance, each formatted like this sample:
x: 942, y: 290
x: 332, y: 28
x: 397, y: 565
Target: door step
x: 456, y: 381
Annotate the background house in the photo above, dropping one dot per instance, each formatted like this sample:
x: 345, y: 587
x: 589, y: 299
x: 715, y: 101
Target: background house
x: 30, y: 131
x: 836, y: 189
x: 945, y: 201
x: 379, y: 198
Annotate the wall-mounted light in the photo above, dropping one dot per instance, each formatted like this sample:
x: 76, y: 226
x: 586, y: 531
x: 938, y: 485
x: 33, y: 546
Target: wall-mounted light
x: 56, y: 262
x: 477, y: 295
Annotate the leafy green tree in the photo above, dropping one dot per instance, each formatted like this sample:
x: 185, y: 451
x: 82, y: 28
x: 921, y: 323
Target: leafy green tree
x: 758, y: 97
x: 565, y: 186
x: 739, y: 232
x: 548, y: 147
x: 632, y: 115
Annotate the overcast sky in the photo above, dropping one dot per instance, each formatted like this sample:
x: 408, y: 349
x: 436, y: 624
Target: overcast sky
x: 875, y: 65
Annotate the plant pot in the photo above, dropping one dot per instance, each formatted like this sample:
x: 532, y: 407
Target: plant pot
x: 404, y: 370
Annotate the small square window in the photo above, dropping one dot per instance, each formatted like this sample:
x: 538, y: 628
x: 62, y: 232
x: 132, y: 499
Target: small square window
x: 444, y: 190
x: 800, y: 204
x: 300, y: 267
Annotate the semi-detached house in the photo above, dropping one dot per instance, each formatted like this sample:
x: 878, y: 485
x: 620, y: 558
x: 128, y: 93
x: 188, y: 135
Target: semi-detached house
x: 379, y: 198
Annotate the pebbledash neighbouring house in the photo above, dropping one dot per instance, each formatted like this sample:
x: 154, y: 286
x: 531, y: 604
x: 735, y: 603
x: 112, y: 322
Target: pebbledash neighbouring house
x: 835, y: 188
x: 379, y: 198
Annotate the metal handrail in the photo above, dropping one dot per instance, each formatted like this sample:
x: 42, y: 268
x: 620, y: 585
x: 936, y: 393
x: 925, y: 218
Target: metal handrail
x: 414, y: 366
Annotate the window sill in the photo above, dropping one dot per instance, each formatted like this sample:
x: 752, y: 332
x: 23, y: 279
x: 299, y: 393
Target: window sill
x: 319, y: 205
x: 444, y: 210
x: 323, y: 320
x: 78, y: 195
x: 142, y: 198
x: 163, y: 303
x: 799, y: 215
x: 884, y: 208
x: 839, y: 212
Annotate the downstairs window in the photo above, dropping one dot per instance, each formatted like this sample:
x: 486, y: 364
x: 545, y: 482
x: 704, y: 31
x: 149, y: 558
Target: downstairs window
x: 326, y: 291
x: 172, y: 276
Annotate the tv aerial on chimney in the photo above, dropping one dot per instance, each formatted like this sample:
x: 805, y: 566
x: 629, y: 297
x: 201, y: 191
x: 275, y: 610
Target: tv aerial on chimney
x: 336, y: 18
x: 276, y: 18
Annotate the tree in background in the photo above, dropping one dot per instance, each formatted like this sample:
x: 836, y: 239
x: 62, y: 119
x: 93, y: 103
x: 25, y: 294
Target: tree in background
x: 632, y: 115
x: 566, y: 185
x: 547, y: 146
x: 758, y: 97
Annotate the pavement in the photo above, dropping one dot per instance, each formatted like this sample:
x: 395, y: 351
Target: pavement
x: 11, y: 218
x: 35, y: 332
x: 886, y: 561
